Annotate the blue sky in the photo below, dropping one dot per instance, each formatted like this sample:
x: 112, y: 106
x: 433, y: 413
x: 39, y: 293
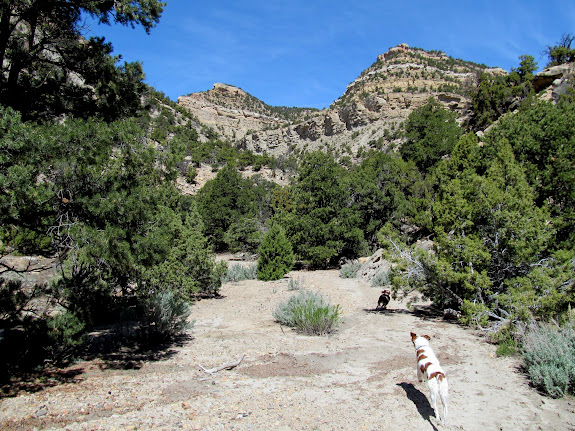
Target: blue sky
x: 305, y: 53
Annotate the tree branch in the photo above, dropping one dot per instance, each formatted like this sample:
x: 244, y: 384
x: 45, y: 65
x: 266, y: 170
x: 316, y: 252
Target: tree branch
x: 226, y: 366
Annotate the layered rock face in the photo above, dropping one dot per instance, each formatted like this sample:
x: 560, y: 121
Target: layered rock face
x: 372, y: 107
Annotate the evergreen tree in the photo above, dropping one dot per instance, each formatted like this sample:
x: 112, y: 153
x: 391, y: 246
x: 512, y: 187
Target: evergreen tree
x: 496, y: 95
x: 384, y: 188
x: 276, y: 256
x: 189, y: 267
x: 222, y: 202
x: 430, y: 134
x: 542, y: 136
x: 48, y: 68
x: 323, y: 227
x: 562, y: 52
x: 488, y: 228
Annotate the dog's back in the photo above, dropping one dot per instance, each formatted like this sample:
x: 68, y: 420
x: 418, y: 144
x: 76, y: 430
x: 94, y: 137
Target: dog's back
x: 428, y: 368
x: 384, y: 299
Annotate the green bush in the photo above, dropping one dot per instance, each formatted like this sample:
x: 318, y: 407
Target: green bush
x: 309, y: 313
x: 243, y: 235
x: 191, y: 175
x: 238, y: 272
x: 165, y: 316
x: 66, y: 334
x: 549, y: 357
x: 349, y: 269
x: 275, y: 255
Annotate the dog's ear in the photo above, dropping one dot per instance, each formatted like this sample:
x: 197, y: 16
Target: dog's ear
x: 427, y: 337
x: 413, y: 336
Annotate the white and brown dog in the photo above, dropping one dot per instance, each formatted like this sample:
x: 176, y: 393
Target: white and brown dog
x: 428, y: 368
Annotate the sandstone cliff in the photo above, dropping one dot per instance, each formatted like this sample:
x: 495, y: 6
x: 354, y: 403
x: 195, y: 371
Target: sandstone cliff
x: 372, y: 107
x: 365, y: 116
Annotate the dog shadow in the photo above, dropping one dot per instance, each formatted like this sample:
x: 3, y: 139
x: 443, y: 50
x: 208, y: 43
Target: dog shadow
x: 386, y: 311
x: 420, y: 400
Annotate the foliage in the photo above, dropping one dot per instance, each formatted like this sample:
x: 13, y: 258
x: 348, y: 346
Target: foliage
x: 275, y: 254
x: 36, y: 340
x: 431, y: 131
x: 562, y: 52
x: 527, y: 66
x: 322, y: 227
x: 244, y: 235
x: 49, y: 69
x: 165, y: 316
x: 384, y: 188
x: 191, y: 175
x: 496, y: 95
x: 542, y: 136
x: 547, y: 291
x: 239, y: 272
x: 309, y: 313
x: 65, y: 336
x: 232, y: 207
x: 349, y: 269
x: 549, y: 357
x: 488, y: 228
x: 296, y: 283
x: 25, y: 202
x: 107, y: 201
x: 189, y: 268
x: 488, y: 233
x: 381, y: 279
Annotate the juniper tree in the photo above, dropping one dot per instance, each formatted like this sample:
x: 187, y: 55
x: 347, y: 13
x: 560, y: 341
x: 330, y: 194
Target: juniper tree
x: 276, y: 256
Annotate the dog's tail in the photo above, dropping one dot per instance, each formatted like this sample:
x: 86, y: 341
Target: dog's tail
x: 444, y: 395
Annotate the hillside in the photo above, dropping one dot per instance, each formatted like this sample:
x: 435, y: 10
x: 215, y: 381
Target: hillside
x: 374, y: 104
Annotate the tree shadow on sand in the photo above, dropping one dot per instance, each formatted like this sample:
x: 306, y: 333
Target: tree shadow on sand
x: 110, y: 348
x: 420, y: 400
x: 426, y: 312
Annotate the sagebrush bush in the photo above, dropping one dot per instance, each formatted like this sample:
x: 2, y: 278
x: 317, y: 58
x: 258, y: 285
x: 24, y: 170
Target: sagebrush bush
x: 349, y: 269
x: 549, y: 357
x: 309, y: 313
x: 238, y: 272
x: 165, y: 316
x: 381, y: 279
x: 295, y: 283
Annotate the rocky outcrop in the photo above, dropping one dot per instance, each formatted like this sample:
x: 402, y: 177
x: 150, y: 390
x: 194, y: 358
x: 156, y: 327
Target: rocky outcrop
x: 554, y: 81
x: 401, y: 79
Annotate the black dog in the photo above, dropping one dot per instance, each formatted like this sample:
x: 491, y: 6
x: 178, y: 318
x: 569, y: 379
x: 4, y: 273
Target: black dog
x: 383, y: 300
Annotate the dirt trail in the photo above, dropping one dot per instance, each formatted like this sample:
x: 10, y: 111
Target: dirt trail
x: 360, y: 378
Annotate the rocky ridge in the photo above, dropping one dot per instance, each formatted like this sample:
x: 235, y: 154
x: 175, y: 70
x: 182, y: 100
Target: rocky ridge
x: 365, y: 116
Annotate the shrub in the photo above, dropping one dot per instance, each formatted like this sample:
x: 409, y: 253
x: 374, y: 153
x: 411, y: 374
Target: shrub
x: 295, y: 283
x: 165, y: 316
x: 349, y: 269
x: 191, y: 175
x: 309, y: 313
x: 238, y: 272
x: 276, y: 256
x: 243, y: 235
x: 40, y: 340
x: 66, y: 334
x: 381, y: 279
x: 549, y: 357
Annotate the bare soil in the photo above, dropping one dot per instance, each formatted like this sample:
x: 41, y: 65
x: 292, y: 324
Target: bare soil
x: 362, y: 377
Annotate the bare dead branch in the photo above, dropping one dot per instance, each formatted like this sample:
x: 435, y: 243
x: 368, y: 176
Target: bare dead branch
x: 226, y: 366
